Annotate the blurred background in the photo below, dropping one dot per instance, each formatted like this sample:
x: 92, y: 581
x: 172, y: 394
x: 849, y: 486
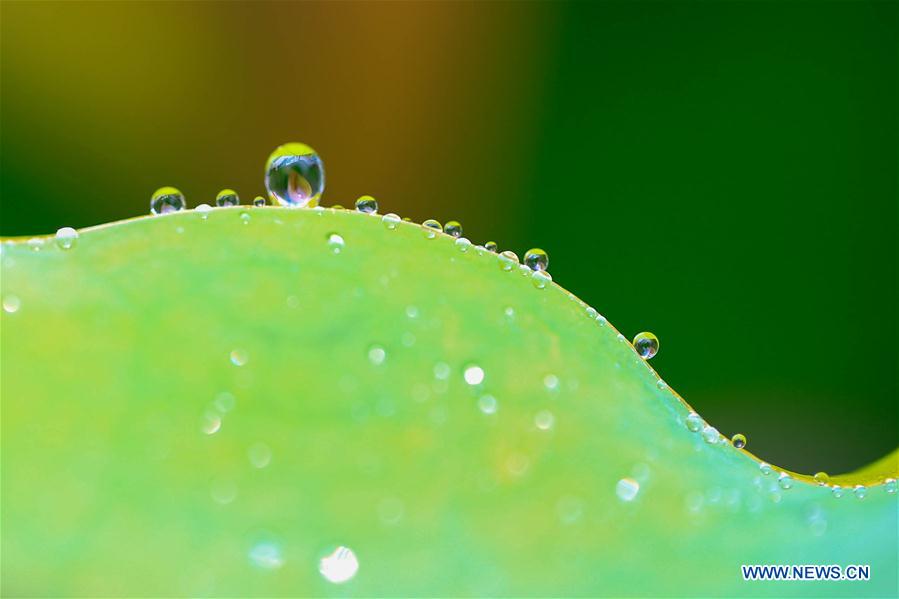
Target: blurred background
x: 723, y: 174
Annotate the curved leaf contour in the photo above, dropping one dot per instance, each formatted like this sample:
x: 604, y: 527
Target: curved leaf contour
x: 208, y: 406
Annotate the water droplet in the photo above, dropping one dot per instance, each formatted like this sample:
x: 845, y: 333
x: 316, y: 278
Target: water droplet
x: 601, y: 320
x: 35, y: 243
x: 430, y: 228
x: 412, y: 311
x: 453, y: 228
x: 165, y: 200
x: 367, y: 204
x: 337, y: 207
x: 544, y: 420
x: 226, y: 198
x: 822, y: 478
x: 210, y: 422
x: 662, y: 385
x: 11, y: 304
x: 245, y: 218
x: 889, y: 485
x: 646, y: 344
x: 524, y: 270
x: 491, y: 246
x: 710, y: 435
x: 765, y: 468
x: 377, y: 355
x: 694, y: 422
x: 267, y: 555
x: 295, y: 176
x: 336, y: 243
x: 860, y: 491
x: 391, y: 510
x: 239, y: 357
x: 390, y: 220
x: 223, y: 491
x: 627, y: 489
x: 462, y: 244
x: 551, y: 382
x: 474, y: 375
x: 569, y: 509
x: 260, y: 455
x: 487, y: 404
x: 536, y: 259
x: 509, y: 311
x: 508, y: 260
x: 837, y: 491
x: 591, y: 312
x: 541, y: 279
x: 203, y: 210
x: 738, y: 441
x: 339, y: 566
x: 785, y: 481
x: 259, y: 201
x: 224, y: 402
x: 66, y: 238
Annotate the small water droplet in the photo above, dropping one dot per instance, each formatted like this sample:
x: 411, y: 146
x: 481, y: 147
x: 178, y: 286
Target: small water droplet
x: 260, y: 455
x: 224, y: 401
x: 453, y: 228
x: 266, y: 555
x: 245, y: 218
x: 591, y: 312
x: 662, y: 385
x: 491, y: 246
x: 710, y: 434
x: 165, y: 200
x: 551, y: 382
x: 487, y: 404
x: 391, y: 510
x: 367, y: 204
x: 509, y: 312
x: 822, y: 478
x: 694, y: 422
x: 203, y: 210
x: 601, y: 320
x: 508, y: 260
x: 336, y: 243
x: 765, y: 468
x: 473, y: 375
x: 340, y: 566
x: 337, y: 207
x: 239, y: 357
x: 646, y: 344
x: 785, y: 481
x: 544, y: 420
x: 391, y: 220
x: 223, y: 491
x: 569, y: 509
x: 627, y: 489
x: 860, y: 491
x: 259, y: 201
x: 35, y: 243
x: 889, y: 485
x: 837, y: 491
x: 210, y: 422
x: 430, y: 228
x: 377, y: 355
x: 295, y: 176
x: 11, y: 304
x: 462, y: 244
x: 412, y: 311
x: 292, y: 301
x: 536, y: 259
x: 226, y: 198
x: 66, y: 238
x: 541, y: 279
x: 738, y: 441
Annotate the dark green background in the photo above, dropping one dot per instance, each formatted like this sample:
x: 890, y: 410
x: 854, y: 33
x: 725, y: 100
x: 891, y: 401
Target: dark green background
x: 723, y: 174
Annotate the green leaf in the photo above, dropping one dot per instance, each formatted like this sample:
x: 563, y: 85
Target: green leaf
x: 127, y: 470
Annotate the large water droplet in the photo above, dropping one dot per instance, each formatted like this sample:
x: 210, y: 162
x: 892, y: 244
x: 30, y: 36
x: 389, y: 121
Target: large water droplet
x: 430, y: 228
x: 295, y: 176
x: 335, y: 243
x: 227, y: 197
x: 627, y: 489
x: 339, y: 566
x: 536, y: 259
x: 66, y: 238
x: 738, y: 441
x: 165, y: 200
x: 391, y: 220
x: 453, y: 228
x: 646, y: 344
x: 508, y: 260
x: 367, y: 204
